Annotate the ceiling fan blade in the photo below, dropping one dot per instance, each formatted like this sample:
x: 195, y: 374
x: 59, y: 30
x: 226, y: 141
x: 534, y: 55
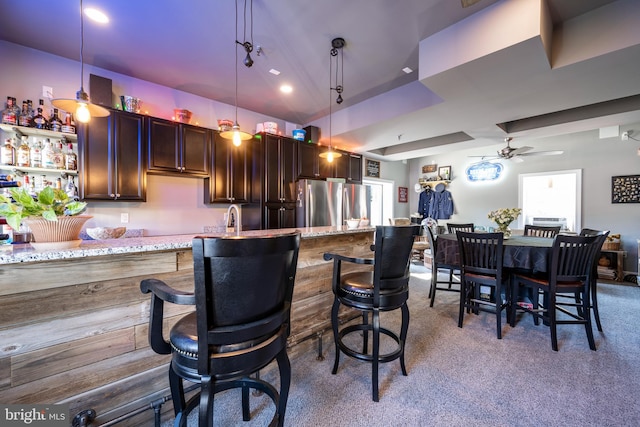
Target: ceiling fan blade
x: 519, y: 151
x: 467, y: 3
x: 543, y: 153
x: 517, y: 159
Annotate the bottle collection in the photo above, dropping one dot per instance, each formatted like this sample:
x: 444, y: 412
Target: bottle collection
x: 38, y: 118
x: 39, y: 154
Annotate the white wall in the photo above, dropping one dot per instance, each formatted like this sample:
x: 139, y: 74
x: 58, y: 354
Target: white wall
x: 599, y: 159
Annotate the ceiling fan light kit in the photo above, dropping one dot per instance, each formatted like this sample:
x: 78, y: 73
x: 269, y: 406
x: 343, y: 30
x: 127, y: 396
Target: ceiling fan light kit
x: 515, y: 154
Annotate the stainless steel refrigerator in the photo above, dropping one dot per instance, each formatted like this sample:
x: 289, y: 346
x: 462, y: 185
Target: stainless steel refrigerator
x: 329, y: 203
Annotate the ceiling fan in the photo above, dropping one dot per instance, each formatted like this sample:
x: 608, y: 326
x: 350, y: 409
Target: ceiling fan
x: 514, y: 154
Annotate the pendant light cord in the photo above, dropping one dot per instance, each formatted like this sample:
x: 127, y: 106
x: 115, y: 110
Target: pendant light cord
x: 235, y: 44
x: 81, y: 49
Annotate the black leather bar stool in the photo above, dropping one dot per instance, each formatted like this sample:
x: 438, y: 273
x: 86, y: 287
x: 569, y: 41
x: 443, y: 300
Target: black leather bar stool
x: 385, y: 288
x: 243, y: 291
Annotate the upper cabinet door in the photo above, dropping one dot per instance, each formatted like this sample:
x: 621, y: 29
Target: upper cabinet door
x: 111, y: 155
x: 195, y: 150
x: 308, y: 161
x: 231, y: 172
x: 280, y: 166
x: 163, y: 146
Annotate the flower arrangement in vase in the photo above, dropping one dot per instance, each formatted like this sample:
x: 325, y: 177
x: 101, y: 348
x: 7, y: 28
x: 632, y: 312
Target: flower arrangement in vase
x: 503, y: 217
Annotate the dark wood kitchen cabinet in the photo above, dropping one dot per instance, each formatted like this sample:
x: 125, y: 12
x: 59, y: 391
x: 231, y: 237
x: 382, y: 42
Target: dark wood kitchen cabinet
x: 280, y: 171
x: 349, y: 167
x: 177, y: 148
x: 112, y: 158
x: 230, y: 177
x: 310, y: 165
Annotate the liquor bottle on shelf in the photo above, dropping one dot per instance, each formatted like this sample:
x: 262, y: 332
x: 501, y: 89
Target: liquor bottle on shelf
x: 47, y: 155
x: 9, y: 115
x: 58, y: 156
x: 69, y: 126
x: 32, y: 186
x: 70, y: 159
x: 39, y: 121
x: 71, y: 189
x: 36, y: 154
x: 8, y: 153
x: 25, y: 115
x: 55, y: 123
x: 10, y: 184
x: 23, y: 153
x: 6, y: 177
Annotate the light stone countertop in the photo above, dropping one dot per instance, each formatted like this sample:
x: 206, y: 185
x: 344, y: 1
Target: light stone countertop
x: 25, y: 253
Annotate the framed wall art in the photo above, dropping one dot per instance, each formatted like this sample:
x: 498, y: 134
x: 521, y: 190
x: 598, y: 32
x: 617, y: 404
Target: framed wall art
x: 625, y: 189
x: 372, y: 168
x: 429, y: 168
x: 444, y: 172
x: 403, y: 194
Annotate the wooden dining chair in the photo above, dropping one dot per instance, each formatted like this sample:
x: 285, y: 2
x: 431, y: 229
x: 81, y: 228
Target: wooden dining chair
x: 436, y: 267
x: 468, y: 227
x: 541, y: 231
x: 482, y: 282
x: 571, y: 268
x: 594, y: 273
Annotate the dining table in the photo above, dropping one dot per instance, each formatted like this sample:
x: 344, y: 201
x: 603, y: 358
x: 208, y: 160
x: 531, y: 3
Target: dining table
x: 521, y: 253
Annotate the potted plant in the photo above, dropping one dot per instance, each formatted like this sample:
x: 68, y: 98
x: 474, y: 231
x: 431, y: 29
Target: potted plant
x: 51, y: 215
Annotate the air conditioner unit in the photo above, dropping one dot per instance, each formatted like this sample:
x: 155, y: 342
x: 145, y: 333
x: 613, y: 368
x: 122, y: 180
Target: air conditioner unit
x: 550, y: 222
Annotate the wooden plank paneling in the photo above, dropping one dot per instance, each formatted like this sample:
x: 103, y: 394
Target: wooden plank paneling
x: 52, y: 360
x: 15, y: 278
x: 64, y: 385
x: 5, y: 373
x: 46, y: 304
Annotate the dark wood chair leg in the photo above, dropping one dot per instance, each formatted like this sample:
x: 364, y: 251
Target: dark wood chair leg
x: 205, y: 411
x: 375, y: 323
x: 334, y: 324
x: 284, y: 365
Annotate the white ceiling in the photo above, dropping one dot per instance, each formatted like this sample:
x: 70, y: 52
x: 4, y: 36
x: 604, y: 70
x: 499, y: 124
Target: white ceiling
x: 473, y: 69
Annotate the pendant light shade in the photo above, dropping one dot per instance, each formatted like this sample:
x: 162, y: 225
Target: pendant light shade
x: 81, y: 107
x: 235, y: 134
x: 336, y: 44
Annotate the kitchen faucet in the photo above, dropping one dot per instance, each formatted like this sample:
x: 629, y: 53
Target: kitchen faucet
x: 237, y: 224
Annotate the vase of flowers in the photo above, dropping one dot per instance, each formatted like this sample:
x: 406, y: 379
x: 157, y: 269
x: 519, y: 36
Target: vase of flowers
x: 503, y: 217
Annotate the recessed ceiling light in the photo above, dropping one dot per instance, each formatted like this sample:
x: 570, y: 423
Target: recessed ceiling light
x: 286, y: 89
x: 274, y: 72
x: 96, y: 15
x: 407, y: 70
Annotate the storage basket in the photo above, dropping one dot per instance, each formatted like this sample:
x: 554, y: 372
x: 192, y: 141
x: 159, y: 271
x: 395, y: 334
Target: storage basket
x: 611, y: 246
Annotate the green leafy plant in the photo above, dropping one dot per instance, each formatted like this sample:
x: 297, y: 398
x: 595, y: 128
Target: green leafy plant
x: 49, y: 204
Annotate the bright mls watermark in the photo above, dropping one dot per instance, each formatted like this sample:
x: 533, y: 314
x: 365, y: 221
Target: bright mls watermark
x: 34, y: 415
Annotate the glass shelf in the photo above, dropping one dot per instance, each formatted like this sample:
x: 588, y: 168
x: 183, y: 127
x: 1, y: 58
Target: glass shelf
x: 24, y: 170
x: 71, y: 137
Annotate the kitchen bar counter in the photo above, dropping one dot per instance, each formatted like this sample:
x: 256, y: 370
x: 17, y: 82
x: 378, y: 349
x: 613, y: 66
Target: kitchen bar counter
x: 11, y: 254
x: 74, y: 324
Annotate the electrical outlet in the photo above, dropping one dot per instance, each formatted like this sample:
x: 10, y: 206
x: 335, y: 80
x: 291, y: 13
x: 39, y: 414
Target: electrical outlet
x: 124, y: 217
x: 625, y: 136
x: 47, y: 92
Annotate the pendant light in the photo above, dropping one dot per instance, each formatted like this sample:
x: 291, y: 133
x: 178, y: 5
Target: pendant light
x: 336, y: 44
x: 235, y: 134
x: 81, y: 106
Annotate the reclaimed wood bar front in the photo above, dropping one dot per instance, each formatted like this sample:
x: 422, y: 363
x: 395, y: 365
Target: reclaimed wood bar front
x: 73, y: 323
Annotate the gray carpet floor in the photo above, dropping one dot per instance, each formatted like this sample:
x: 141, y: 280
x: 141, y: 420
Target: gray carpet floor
x: 465, y: 376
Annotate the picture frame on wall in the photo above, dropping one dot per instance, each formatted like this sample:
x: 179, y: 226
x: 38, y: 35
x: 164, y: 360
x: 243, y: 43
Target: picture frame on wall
x: 444, y: 172
x: 429, y: 168
x: 372, y: 168
x: 403, y: 194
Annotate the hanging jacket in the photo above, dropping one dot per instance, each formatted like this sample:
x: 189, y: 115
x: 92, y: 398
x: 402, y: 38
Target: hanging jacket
x: 424, y: 202
x: 441, y: 205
